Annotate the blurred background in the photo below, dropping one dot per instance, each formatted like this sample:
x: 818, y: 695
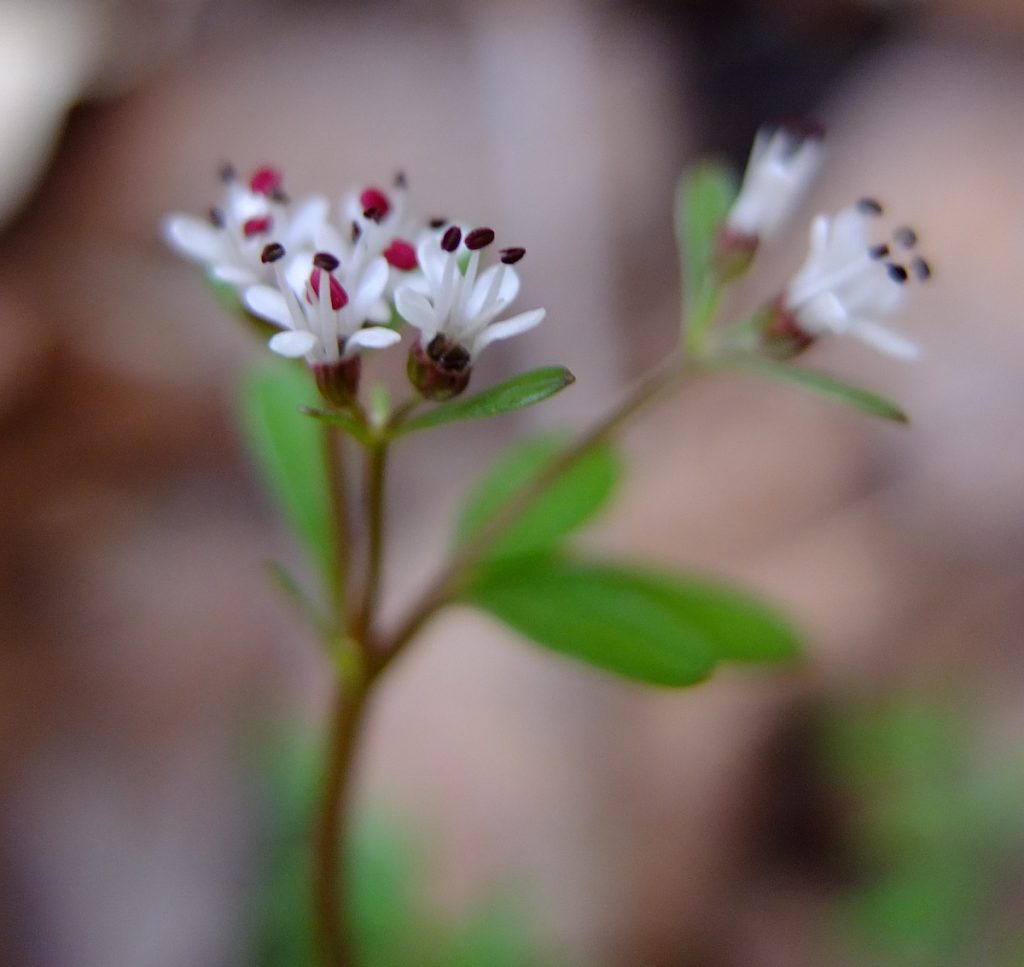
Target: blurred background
x: 159, y: 706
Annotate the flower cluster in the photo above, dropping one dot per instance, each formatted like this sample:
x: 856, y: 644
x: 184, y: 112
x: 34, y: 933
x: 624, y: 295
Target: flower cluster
x: 338, y: 283
x: 854, y: 274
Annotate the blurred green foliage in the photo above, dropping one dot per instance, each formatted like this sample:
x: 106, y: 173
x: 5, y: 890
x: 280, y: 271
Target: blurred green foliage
x: 394, y: 922
x: 939, y: 833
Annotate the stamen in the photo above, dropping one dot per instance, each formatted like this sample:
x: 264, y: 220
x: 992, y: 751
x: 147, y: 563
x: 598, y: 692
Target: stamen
x: 438, y: 222
x: 450, y: 240
x: 896, y: 272
x: 339, y: 297
x: 272, y: 252
x: 401, y: 255
x: 921, y: 268
x: 878, y: 251
x: 400, y: 180
x: 324, y: 260
x: 374, y: 200
x: 512, y: 255
x: 479, y: 238
x: 868, y: 206
x: 265, y: 181
x: 279, y: 196
x: 256, y: 226
x: 802, y: 129
x: 227, y: 172
x: 905, y: 236
x: 217, y: 218
x: 357, y: 231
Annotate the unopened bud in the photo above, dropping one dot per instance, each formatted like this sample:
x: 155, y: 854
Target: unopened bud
x: 338, y: 382
x: 439, y: 371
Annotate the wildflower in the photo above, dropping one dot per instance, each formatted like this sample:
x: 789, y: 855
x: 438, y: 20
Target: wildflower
x: 783, y: 163
x: 455, y: 311
x: 230, y: 241
x: 322, y: 313
x: 846, y: 284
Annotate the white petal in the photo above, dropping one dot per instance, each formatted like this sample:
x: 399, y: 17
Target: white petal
x: 505, y: 295
x: 373, y: 282
x: 234, y: 274
x: 298, y: 270
x: 376, y: 337
x: 415, y: 309
x: 507, y: 328
x: 293, y: 344
x: 195, y: 238
x: 379, y: 311
x: 269, y: 304
x: 327, y: 238
x: 305, y: 219
x: 432, y: 259
x: 884, y: 340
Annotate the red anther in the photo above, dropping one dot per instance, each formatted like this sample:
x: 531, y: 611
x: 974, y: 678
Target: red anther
x: 373, y: 199
x: 257, y: 226
x: 401, y: 255
x: 339, y: 297
x: 265, y: 181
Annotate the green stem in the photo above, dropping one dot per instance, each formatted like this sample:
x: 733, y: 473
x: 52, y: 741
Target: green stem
x: 376, y: 467
x: 447, y: 583
x: 330, y: 867
x: 334, y: 450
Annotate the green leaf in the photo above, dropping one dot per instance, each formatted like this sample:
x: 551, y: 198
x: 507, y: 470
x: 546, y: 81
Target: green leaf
x: 289, y: 451
x: 514, y: 394
x: 823, y: 385
x: 703, y: 199
x: 609, y: 617
x: 741, y: 628
x: 567, y: 503
x: 345, y: 420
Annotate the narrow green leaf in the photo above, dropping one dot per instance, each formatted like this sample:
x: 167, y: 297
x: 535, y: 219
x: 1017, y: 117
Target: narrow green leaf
x: 345, y: 420
x: 514, y: 394
x: 289, y: 451
x: 610, y: 618
x: 703, y: 199
x: 566, y: 504
x: 823, y: 385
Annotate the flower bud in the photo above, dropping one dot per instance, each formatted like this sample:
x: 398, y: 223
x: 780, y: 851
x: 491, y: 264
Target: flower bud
x: 441, y: 370
x: 779, y: 333
x: 733, y: 253
x: 338, y: 381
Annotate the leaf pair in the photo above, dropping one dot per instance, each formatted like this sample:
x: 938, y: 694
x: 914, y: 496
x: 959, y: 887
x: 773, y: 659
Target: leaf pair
x: 657, y: 628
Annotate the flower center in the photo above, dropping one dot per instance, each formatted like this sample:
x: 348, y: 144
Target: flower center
x: 257, y: 226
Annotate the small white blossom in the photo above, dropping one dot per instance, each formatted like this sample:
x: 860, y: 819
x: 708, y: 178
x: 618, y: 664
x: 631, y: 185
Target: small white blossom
x: 230, y: 241
x: 847, y: 283
x: 462, y: 307
x: 782, y: 165
x: 322, y: 308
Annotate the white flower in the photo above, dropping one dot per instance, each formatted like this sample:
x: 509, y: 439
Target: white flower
x: 230, y: 242
x: 322, y: 308
x: 462, y: 308
x: 782, y: 165
x: 847, y: 283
